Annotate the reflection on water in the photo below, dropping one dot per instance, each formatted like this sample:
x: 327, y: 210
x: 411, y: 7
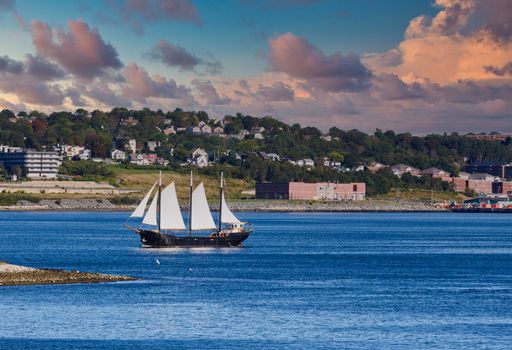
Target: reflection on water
x: 302, y: 281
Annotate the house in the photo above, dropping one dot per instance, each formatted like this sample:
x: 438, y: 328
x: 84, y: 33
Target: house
x: 308, y: 163
x: 70, y: 151
x: 375, y: 166
x: 257, y: 130
x: 140, y: 159
x: 152, y: 145
x: 259, y: 136
x: 205, y: 129
x: 270, y: 156
x: 400, y: 169
x: 194, y: 129
x: 199, y: 158
x: 132, y: 146
x: 243, y: 133
x: 118, y: 155
x: 327, y: 138
x: 170, y: 130
x: 218, y: 130
x: 436, y: 173
x: 85, y: 154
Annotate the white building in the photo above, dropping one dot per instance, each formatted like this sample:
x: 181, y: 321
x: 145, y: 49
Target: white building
x: 199, y: 158
x: 152, y: 145
x: 118, y: 155
x: 132, y: 146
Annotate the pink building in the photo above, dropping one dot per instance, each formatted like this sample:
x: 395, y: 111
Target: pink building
x: 327, y: 191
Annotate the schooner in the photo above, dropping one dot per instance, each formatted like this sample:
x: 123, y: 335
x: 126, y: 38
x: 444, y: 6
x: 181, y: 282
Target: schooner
x: 163, y: 225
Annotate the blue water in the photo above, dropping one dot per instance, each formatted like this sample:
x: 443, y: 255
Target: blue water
x: 302, y: 281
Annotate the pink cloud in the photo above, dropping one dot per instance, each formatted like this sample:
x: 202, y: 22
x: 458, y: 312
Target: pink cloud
x: 298, y: 58
x: 80, y: 50
x: 140, y: 86
x: 208, y: 91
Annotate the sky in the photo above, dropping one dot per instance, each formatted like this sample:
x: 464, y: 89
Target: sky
x: 421, y: 66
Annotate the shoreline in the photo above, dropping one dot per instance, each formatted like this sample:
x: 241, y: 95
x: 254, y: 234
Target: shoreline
x: 17, y: 275
x: 271, y: 206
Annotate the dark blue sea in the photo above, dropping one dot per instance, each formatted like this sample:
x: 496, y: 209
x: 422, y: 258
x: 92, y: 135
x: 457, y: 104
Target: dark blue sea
x: 301, y: 281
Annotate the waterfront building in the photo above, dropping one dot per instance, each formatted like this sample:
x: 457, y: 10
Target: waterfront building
x: 35, y: 164
x: 311, y: 191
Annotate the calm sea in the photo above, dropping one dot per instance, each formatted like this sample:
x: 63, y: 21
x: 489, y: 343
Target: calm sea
x: 302, y: 281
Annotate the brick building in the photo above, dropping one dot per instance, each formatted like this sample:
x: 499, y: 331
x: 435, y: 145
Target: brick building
x: 311, y: 191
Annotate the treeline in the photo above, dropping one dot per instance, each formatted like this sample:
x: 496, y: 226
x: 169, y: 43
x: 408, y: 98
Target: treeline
x: 102, y: 132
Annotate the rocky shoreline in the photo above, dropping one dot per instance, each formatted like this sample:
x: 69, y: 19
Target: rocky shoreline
x: 16, y: 275
x: 245, y: 206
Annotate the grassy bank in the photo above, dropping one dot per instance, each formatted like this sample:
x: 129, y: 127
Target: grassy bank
x: 143, y: 179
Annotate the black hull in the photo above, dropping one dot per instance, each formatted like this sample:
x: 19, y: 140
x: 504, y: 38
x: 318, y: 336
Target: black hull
x: 153, y: 239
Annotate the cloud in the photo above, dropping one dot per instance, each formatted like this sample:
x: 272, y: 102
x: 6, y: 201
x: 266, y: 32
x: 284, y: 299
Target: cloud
x: 9, y: 65
x: 139, y: 12
x: 276, y: 92
x: 140, y: 86
x: 500, y: 71
x: 298, y: 58
x: 103, y: 93
x: 392, y: 87
x: 177, y: 56
x: 42, y: 69
x: 81, y: 50
x: 209, y: 93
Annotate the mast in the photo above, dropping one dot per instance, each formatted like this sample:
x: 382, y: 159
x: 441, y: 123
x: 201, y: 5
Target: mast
x: 159, y: 203
x: 190, y: 206
x: 221, y: 189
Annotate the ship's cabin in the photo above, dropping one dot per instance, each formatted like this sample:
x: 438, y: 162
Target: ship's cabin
x: 234, y: 227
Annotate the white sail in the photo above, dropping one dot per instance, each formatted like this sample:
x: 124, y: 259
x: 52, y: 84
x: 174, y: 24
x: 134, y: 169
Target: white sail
x: 150, y: 218
x: 201, y: 216
x: 139, y: 211
x: 170, y: 213
x: 227, y: 215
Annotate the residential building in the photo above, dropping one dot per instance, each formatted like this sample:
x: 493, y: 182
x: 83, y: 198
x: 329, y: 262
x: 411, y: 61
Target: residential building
x: 118, y: 155
x: 71, y: 151
x: 489, y: 137
x: 257, y: 130
x: 169, y: 130
x: 205, y: 129
x: 436, y: 174
x: 400, y: 169
x: 218, y: 130
x: 308, y: 163
x: 259, y: 136
x: 152, y: 145
x: 194, y: 129
x: 375, y: 166
x: 243, y: 133
x: 199, y: 158
x: 311, y: 191
x: 132, y: 146
x: 270, y: 156
x: 37, y: 164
